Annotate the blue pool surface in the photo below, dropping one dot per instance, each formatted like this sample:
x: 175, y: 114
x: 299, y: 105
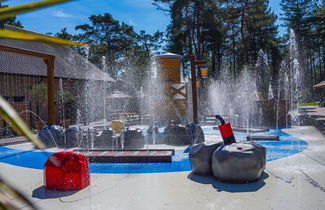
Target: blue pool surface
x: 288, y: 145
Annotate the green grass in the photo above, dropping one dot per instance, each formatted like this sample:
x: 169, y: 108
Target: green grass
x: 309, y: 104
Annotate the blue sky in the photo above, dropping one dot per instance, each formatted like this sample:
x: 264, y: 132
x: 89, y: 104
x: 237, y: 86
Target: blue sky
x: 141, y: 14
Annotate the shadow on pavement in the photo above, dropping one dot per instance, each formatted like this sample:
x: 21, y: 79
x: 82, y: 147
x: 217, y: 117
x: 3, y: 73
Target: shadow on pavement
x: 42, y: 193
x: 233, y: 188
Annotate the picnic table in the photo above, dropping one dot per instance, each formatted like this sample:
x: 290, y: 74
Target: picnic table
x: 128, y: 116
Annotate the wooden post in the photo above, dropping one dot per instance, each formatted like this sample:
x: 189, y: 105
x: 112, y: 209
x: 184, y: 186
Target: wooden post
x: 50, y: 91
x: 194, y: 63
x: 194, y: 91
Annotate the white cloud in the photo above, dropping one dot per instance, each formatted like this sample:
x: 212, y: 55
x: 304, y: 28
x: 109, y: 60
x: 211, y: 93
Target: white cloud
x: 61, y: 14
x: 132, y: 23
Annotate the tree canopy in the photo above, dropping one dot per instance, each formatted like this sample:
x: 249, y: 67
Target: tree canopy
x: 230, y: 35
x: 12, y: 20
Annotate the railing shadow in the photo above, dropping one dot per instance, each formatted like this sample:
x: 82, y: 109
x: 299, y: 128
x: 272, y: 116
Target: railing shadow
x: 227, y: 187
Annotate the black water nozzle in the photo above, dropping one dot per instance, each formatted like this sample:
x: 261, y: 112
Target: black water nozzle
x: 222, y: 121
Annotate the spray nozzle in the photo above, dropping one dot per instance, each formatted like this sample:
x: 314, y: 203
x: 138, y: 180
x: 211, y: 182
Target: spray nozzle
x: 222, y: 121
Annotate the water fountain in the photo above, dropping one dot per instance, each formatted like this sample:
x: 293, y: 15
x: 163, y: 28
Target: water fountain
x: 250, y: 97
x: 235, y: 98
x: 163, y: 99
x: 89, y: 144
x: 61, y: 101
x: 270, y: 95
x: 296, y: 79
x: 167, y: 111
x: 104, y: 67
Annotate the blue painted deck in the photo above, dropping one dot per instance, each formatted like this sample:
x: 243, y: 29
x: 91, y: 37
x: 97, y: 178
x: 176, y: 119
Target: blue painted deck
x: 288, y: 145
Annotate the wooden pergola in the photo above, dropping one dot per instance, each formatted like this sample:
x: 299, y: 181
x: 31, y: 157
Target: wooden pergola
x: 49, y: 61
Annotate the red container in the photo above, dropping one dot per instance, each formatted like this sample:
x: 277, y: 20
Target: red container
x: 66, y: 171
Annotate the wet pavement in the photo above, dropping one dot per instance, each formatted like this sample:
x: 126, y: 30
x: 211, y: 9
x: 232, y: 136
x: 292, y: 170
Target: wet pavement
x: 316, y: 111
x: 316, y: 115
x: 13, y: 140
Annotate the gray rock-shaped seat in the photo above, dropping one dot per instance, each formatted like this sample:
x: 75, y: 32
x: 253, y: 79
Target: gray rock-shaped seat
x: 152, y: 129
x: 89, y: 136
x: 177, y: 135
x: 52, y: 136
x: 154, y: 136
x: 72, y: 136
x: 183, y: 134
x: 196, y: 133
x: 239, y: 162
x: 133, y: 138
x: 201, y: 157
x: 105, y: 140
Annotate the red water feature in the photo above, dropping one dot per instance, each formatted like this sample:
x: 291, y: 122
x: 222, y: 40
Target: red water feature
x: 66, y: 171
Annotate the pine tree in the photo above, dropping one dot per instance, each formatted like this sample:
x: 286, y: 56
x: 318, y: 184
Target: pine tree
x: 10, y: 21
x: 64, y: 34
x: 302, y: 17
x: 108, y: 38
x: 298, y: 15
x: 251, y: 28
x: 150, y: 43
x: 320, y: 31
x: 223, y: 32
x: 126, y: 53
x: 214, y: 36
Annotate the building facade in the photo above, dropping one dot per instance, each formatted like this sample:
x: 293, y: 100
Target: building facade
x: 80, y: 86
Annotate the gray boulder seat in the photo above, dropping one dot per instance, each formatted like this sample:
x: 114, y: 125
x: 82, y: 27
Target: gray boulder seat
x: 154, y: 136
x: 239, y: 162
x: 133, y: 138
x: 177, y: 135
x: 152, y: 129
x: 52, y: 136
x: 196, y: 133
x: 181, y: 134
x: 105, y: 140
x: 201, y: 157
x: 88, y: 138
x: 72, y: 136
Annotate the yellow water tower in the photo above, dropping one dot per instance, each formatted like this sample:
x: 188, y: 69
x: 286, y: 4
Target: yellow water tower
x: 173, y: 104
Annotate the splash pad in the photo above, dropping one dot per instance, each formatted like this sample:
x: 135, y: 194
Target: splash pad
x: 287, y: 146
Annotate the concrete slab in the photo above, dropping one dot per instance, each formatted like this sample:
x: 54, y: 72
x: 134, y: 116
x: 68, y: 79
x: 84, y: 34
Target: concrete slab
x: 314, y: 110
x: 295, y: 182
x: 13, y: 140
